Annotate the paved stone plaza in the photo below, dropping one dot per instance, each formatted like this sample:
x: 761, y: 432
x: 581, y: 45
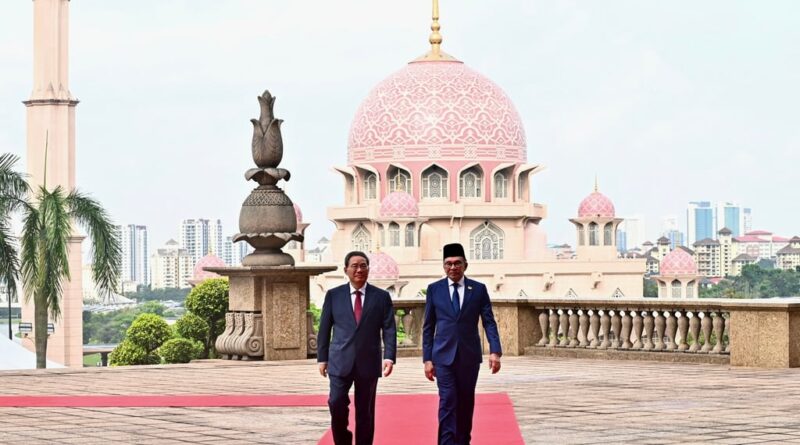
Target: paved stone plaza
x: 557, y: 401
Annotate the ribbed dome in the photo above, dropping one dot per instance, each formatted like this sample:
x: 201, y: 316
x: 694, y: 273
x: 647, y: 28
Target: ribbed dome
x: 596, y: 205
x: 435, y: 111
x: 678, y: 262
x: 399, y: 205
x: 207, y: 261
x: 382, y: 267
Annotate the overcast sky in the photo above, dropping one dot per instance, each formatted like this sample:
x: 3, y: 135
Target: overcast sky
x: 667, y: 102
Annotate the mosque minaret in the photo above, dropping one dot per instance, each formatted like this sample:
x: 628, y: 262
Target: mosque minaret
x: 51, y: 149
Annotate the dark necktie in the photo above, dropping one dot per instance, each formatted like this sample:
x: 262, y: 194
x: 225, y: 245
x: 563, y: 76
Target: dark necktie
x: 456, y: 303
x: 357, y: 307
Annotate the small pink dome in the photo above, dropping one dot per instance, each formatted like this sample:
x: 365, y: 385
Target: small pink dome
x: 399, y: 205
x: 207, y: 261
x: 678, y: 262
x: 596, y: 204
x: 382, y: 266
x: 298, y: 213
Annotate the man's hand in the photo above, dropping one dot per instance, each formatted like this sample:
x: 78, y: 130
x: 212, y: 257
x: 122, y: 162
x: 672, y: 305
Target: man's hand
x: 387, y: 367
x: 323, y: 369
x: 430, y: 370
x: 494, y: 363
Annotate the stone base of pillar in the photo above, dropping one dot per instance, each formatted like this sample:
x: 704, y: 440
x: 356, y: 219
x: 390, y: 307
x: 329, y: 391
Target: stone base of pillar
x: 267, y: 312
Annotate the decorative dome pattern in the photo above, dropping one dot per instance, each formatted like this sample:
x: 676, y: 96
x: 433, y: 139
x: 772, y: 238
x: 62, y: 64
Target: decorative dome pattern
x: 207, y: 261
x: 436, y: 110
x: 596, y: 204
x: 399, y: 205
x: 678, y: 262
x: 382, y: 267
x: 298, y: 213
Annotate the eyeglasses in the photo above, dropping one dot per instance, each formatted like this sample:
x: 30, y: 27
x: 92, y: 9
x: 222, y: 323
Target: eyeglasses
x: 361, y: 266
x: 453, y: 265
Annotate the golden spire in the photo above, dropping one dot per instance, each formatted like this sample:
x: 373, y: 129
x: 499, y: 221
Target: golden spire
x: 435, y: 39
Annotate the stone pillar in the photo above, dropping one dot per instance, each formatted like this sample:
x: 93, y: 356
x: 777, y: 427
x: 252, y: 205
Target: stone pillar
x: 765, y: 338
x: 278, y: 296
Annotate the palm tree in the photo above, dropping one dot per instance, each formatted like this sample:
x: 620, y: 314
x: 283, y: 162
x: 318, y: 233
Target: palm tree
x: 47, y: 227
x: 14, y: 190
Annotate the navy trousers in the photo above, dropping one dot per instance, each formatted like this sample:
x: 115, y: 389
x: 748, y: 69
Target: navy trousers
x: 456, y: 401
x: 339, y: 402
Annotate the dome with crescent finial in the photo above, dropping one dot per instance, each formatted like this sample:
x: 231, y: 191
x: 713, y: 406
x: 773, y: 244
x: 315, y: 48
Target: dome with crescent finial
x: 382, y: 266
x: 399, y: 205
x: 678, y: 262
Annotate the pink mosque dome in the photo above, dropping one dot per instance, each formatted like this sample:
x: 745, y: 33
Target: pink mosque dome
x: 382, y: 266
x: 209, y: 260
x: 596, y: 205
x: 436, y: 110
x: 678, y: 262
x: 298, y: 213
x: 399, y: 205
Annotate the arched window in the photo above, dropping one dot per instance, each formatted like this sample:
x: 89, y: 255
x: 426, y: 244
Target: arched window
x: 434, y: 183
x: 399, y: 180
x: 593, y: 234
x: 676, y: 289
x: 581, y: 237
x: 608, y: 234
x: 500, y: 185
x: 662, y: 289
x: 361, y: 239
x: 470, y: 183
x: 394, y: 234
x: 690, y: 290
x: 371, y: 186
x: 486, y: 242
x: 381, y: 234
x: 410, y: 235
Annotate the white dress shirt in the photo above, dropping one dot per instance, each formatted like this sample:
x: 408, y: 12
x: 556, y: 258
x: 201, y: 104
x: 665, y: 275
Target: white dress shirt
x: 460, y: 290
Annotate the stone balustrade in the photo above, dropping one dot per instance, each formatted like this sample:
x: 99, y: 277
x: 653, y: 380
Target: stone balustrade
x: 759, y: 333
x: 409, y: 316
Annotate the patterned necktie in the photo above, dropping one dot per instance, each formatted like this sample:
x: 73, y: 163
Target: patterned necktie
x: 357, y: 307
x: 456, y: 303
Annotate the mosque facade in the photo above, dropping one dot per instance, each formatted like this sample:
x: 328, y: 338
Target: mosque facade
x: 437, y: 153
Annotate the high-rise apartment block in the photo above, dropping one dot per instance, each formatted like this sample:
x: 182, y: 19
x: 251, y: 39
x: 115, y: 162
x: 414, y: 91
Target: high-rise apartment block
x: 201, y: 237
x: 233, y: 253
x: 633, y: 228
x: 172, y: 267
x: 135, y: 267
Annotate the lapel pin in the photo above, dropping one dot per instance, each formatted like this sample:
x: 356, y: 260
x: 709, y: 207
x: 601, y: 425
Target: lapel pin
x: 469, y: 287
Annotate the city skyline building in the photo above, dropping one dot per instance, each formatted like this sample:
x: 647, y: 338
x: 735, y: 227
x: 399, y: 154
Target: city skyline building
x: 135, y: 267
x: 201, y: 237
x: 634, y: 231
x: 172, y: 266
x: 699, y: 222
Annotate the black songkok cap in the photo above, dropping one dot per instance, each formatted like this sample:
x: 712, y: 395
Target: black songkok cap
x: 454, y: 249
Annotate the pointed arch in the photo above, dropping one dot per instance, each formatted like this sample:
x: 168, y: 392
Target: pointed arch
x: 470, y: 182
x: 361, y: 239
x: 435, y: 181
x: 399, y: 179
x: 486, y: 242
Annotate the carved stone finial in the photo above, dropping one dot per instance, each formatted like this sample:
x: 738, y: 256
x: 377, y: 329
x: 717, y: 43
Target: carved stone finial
x: 267, y: 220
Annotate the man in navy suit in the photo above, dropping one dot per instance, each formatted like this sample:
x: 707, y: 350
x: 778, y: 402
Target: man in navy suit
x: 451, y: 346
x: 360, y: 315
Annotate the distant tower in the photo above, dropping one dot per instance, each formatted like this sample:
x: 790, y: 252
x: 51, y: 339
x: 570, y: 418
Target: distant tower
x: 51, y: 124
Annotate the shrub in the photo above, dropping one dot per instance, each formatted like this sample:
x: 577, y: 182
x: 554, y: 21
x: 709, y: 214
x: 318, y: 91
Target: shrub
x: 192, y: 327
x: 127, y: 354
x: 180, y: 350
x: 209, y: 301
x: 148, y: 331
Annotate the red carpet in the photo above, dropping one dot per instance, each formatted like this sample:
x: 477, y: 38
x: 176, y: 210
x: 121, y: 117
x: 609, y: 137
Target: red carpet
x: 412, y: 419
x: 125, y: 401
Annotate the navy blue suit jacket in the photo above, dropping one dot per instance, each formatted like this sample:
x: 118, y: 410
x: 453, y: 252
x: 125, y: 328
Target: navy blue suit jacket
x: 352, y: 347
x: 444, y: 332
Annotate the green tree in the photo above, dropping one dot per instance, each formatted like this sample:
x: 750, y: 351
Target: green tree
x: 44, y: 261
x: 14, y: 190
x: 127, y: 354
x: 192, y: 327
x: 650, y: 288
x: 180, y: 350
x: 209, y: 301
x: 148, y: 331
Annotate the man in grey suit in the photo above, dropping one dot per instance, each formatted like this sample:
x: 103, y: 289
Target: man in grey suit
x: 360, y: 315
